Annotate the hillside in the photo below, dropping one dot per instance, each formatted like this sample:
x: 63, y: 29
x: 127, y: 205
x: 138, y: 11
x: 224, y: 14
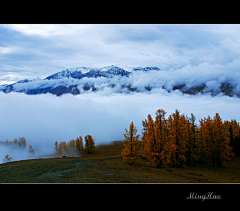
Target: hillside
x: 105, y: 165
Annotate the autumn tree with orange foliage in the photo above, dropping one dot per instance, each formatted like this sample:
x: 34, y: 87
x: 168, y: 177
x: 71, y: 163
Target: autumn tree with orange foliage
x: 222, y: 148
x: 149, y: 139
x: 79, y: 144
x: 203, y: 141
x: 216, y: 138
x: 75, y: 147
x: 178, y: 141
x: 161, y: 134
x: 192, y: 140
x: 131, y: 146
x: 234, y: 131
x: 155, y: 139
x: 89, y: 144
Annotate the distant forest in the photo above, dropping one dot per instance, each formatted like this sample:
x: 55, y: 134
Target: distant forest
x: 17, y: 144
x: 75, y: 147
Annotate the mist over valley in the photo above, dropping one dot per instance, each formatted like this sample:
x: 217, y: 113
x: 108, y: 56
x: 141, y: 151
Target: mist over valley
x: 62, y: 81
x: 46, y: 118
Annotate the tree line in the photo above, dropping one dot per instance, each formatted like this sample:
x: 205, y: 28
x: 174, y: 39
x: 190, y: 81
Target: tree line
x: 21, y: 142
x: 16, y: 144
x: 179, y: 141
x: 75, y: 147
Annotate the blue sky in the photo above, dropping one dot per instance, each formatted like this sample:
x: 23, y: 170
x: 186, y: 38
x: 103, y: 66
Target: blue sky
x: 30, y: 51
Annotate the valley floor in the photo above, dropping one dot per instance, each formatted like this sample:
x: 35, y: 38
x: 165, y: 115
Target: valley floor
x: 105, y: 165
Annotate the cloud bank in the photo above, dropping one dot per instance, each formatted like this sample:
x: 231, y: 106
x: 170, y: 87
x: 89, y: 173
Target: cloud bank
x: 44, y: 119
x: 212, y: 76
x: 42, y: 50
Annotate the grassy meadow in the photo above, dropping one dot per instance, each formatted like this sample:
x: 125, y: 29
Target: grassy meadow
x: 105, y: 165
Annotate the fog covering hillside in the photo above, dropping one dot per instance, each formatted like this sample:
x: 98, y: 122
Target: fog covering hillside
x: 44, y: 119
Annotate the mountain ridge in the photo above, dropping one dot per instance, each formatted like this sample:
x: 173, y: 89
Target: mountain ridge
x: 120, y: 78
x: 81, y: 72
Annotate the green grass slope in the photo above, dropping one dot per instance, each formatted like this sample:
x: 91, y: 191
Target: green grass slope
x: 105, y: 165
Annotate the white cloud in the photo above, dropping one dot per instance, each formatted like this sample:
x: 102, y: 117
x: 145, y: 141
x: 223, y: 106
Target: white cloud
x: 46, y: 49
x: 47, y: 30
x: 213, y: 75
x: 7, y: 50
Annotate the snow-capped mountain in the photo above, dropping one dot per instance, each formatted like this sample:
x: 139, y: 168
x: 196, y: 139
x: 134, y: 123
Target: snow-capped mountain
x: 108, y: 72
x: 70, y: 80
x: 119, y: 78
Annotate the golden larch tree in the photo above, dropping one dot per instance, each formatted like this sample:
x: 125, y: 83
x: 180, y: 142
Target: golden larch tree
x: 208, y: 140
x: 79, y: 144
x: 202, y: 142
x: 131, y: 145
x: 89, y: 143
x: 216, y: 136
x: 149, y: 140
x: 160, y: 148
x: 155, y: 137
x: 178, y: 134
x: 222, y: 148
x: 31, y: 150
x: 234, y: 130
x: 7, y: 158
x: 191, y: 141
x: 56, y: 148
x: 63, y: 147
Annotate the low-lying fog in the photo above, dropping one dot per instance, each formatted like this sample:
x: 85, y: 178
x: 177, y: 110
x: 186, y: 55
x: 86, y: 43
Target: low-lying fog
x: 44, y: 119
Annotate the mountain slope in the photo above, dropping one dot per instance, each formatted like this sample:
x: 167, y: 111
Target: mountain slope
x: 109, y: 71
x: 105, y: 165
x: 120, y: 78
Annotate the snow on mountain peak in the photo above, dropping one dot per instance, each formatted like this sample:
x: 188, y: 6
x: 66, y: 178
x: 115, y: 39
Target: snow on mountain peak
x: 82, y: 69
x: 113, y: 69
x: 127, y: 68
